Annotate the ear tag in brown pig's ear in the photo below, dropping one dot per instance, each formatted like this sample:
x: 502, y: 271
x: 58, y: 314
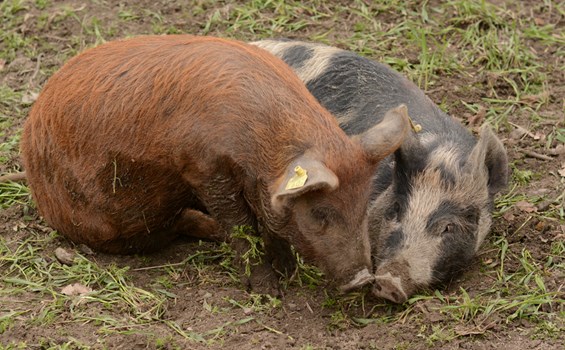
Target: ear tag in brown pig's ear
x: 298, y: 180
x: 416, y: 127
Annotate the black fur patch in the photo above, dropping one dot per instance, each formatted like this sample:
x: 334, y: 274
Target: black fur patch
x: 383, y: 177
x: 458, y: 227
x: 456, y: 255
x: 295, y: 56
x: 447, y: 176
x: 394, y: 241
x: 391, y: 245
x: 366, y: 90
x: 353, y: 85
x: 409, y: 163
x: 465, y: 219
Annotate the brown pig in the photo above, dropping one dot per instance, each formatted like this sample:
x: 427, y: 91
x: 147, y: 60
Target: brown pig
x: 137, y: 141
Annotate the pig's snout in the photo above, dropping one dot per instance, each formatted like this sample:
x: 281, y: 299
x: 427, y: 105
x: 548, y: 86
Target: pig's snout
x: 389, y: 287
x: 361, y: 278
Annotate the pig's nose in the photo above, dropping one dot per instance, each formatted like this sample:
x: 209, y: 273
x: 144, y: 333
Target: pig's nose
x: 389, y: 287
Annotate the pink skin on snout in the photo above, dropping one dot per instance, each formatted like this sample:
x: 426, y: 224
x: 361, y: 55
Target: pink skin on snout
x: 392, y: 283
x: 390, y: 288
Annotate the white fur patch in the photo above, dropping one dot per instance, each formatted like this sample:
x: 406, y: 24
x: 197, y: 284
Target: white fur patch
x: 311, y: 68
x: 447, y: 155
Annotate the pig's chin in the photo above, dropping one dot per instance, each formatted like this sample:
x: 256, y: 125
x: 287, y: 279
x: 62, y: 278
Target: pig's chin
x: 391, y: 288
x: 360, y: 279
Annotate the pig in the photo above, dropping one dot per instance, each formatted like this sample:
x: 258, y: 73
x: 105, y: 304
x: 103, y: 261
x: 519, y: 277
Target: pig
x: 432, y: 200
x: 135, y: 142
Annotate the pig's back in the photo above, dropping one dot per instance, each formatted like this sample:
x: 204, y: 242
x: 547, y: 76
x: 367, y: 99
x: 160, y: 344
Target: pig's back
x: 359, y: 91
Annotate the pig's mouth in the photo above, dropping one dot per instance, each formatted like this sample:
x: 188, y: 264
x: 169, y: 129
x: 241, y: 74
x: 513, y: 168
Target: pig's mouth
x: 361, y: 278
x: 389, y: 287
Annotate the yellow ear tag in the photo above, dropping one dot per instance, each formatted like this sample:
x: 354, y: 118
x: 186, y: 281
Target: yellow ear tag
x: 416, y: 127
x: 298, y: 180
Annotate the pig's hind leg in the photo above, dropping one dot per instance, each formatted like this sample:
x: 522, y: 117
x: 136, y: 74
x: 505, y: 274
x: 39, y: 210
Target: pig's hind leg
x: 195, y: 223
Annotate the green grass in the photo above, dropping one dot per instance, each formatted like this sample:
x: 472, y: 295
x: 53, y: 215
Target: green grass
x: 256, y: 249
x: 13, y: 193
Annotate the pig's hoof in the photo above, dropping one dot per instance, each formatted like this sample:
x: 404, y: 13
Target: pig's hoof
x: 263, y: 280
x: 388, y: 287
x: 195, y: 223
x: 285, y: 265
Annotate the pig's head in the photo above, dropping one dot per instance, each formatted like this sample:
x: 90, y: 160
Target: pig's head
x: 427, y: 226
x: 326, y: 215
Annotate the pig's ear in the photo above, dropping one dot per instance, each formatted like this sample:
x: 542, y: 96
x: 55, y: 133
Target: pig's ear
x: 304, y: 174
x: 410, y: 157
x: 489, y: 154
x: 385, y: 137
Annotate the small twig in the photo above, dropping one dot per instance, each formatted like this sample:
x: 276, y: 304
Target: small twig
x: 309, y: 308
x: 536, y: 155
x: 21, y: 176
x: 158, y: 266
x: 35, y: 72
x: 54, y: 37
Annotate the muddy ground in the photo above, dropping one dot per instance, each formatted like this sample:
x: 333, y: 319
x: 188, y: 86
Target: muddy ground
x: 202, y: 305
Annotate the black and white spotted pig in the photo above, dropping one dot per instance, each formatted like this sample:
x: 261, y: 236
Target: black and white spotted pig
x: 432, y: 200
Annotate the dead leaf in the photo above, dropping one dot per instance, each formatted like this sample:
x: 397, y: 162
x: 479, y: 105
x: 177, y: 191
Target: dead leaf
x: 477, y: 119
x: 508, y: 216
x: 76, y: 289
x: 519, y: 132
x: 539, y: 136
x: 526, y: 206
x: 558, y: 150
x: 85, y: 249
x: 543, y: 206
x: 64, y: 256
x: 29, y: 97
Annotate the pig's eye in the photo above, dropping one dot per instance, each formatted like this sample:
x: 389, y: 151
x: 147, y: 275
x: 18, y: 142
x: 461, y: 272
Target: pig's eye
x: 393, y: 211
x: 449, y: 228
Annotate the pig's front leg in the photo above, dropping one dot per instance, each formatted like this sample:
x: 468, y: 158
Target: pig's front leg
x: 278, y: 254
x: 261, y: 277
x: 224, y: 200
x: 258, y: 265
x: 276, y: 261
